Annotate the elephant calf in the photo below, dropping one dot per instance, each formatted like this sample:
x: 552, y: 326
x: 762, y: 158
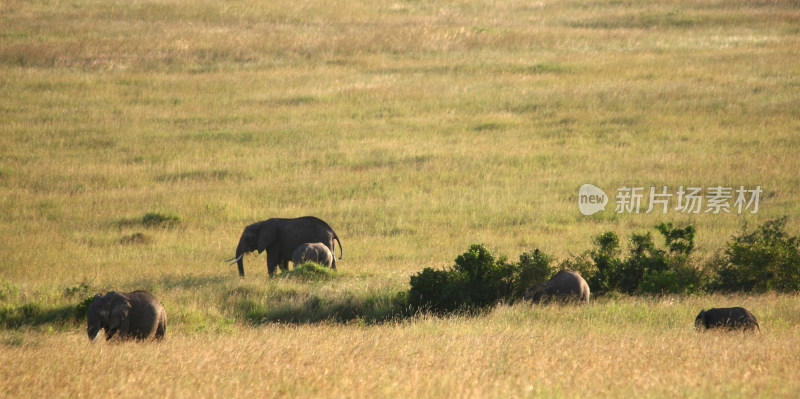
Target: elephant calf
x: 136, y: 315
x: 567, y: 285
x: 313, y: 252
x: 731, y: 318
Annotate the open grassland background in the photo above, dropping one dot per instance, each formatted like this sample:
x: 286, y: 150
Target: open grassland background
x: 415, y: 129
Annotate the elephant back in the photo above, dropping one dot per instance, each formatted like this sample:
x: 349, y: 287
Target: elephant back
x: 565, y: 286
x: 148, y: 317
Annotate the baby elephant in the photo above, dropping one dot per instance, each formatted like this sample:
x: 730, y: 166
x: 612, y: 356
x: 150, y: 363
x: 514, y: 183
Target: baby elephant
x: 730, y: 318
x: 566, y: 286
x: 313, y: 252
x: 136, y: 315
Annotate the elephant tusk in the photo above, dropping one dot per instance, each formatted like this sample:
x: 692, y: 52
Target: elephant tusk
x: 234, y: 260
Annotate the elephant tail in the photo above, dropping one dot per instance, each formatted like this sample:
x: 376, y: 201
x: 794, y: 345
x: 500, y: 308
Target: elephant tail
x: 341, y: 251
x: 161, y: 329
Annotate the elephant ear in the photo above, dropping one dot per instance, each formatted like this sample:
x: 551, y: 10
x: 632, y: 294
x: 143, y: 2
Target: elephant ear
x: 703, y: 318
x: 120, y: 311
x: 266, y: 236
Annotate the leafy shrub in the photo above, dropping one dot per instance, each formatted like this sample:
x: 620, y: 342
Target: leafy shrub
x: 679, y: 241
x: 476, y: 280
x: 533, y: 268
x: 765, y: 259
x: 428, y: 291
x: 83, y: 308
x: 679, y: 277
x: 644, y: 258
x: 647, y: 269
x: 606, y: 261
x: 481, y: 279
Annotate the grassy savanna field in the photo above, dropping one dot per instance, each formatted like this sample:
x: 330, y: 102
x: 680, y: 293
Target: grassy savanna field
x: 415, y: 129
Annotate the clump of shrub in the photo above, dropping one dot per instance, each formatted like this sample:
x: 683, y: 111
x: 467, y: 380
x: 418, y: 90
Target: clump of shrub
x: 157, y: 219
x: 647, y: 269
x: 82, y: 308
x: 152, y: 219
x: 762, y: 260
x: 477, y: 280
x: 765, y: 259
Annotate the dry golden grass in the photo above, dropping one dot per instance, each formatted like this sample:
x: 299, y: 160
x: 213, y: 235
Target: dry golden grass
x: 616, y: 348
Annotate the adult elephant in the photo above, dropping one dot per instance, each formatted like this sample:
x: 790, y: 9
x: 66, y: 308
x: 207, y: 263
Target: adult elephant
x: 280, y: 237
x: 567, y: 285
x: 137, y: 315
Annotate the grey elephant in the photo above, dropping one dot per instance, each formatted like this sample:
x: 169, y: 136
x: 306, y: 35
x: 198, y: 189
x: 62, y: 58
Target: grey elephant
x: 735, y: 318
x: 315, y: 252
x: 132, y: 315
x: 280, y: 237
x: 567, y: 285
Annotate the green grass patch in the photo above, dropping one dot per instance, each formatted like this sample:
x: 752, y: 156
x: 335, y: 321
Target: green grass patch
x: 308, y: 272
x: 158, y: 219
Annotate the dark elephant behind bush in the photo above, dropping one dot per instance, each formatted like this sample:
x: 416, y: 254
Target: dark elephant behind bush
x: 729, y: 318
x: 566, y: 286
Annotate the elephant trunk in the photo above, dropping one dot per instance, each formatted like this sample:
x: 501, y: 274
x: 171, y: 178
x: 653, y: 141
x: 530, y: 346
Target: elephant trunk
x: 93, y: 332
x: 240, y: 251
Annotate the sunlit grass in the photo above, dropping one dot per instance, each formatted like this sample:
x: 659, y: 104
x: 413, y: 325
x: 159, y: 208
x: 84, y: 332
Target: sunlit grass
x: 609, y: 348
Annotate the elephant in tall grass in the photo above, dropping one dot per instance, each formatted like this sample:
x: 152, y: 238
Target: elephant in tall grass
x: 132, y: 315
x: 280, y: 237
x: 735, y: 318
x: 315, y: 252
x: 567, y: 285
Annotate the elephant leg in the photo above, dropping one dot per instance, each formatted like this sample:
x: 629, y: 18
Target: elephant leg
x: 272, y: 265
x: 284, y: 265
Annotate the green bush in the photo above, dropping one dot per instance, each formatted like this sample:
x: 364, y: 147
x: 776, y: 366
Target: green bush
x: 533, y: 268
x: 647, y: 269
x: 765, y: 259
x: 480, y: 279
x: 606, y: 261
x: 428, y: 291
x: 680, y: 241
x: 82, y: 308
x: 477, y: 280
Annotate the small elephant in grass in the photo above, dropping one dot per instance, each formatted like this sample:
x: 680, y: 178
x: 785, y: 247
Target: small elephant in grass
x: 567, y: 285
x: 316, y: 252
x: 731, y: 318
x: 136, y: 315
